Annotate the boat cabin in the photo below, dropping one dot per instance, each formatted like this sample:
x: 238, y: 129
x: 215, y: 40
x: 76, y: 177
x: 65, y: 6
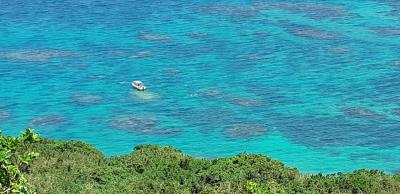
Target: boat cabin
x: 138, y: 85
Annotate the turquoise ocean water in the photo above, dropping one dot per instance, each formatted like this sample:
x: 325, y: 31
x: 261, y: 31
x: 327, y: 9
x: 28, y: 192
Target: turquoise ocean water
x: 314, y: 84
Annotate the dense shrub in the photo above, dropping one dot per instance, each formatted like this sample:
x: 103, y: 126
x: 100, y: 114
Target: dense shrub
x: 15, y: 157
x: 76, y: 167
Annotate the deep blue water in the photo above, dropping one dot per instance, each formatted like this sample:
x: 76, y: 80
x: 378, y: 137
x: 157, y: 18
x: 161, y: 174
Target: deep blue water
x: 314, y: 84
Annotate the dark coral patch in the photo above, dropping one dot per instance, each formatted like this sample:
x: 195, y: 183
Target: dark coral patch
x: 313, y: 33
x: 86, y: 99
x: 208, y: 119
x: 244, y: 102
x: 142, y: 54
x: 197, y: 34
x: 324, y: 131
x: 4, y: 115
x: 395, y: 63
x: 387, y: 158
x: 226, y: 10
x: 359, y: 112
x: 170, y: 71
x: 36, y: 55
x: 145, y: 125
x: 388, y: 84
x: 386, y: 31
x: 252, y: 57
x: 262, y: 33
x: 129, y: 53
x: 396, y: 111
x: 311, y: 10
x: 338, y: 50
x: 48, y: 120
x: 154, y: 37
x: 395, y: 12
x: 245, y: 131
x: 214, y: 92
x: 134, y: 123
x: 166, y: 131
x: 97, y: 77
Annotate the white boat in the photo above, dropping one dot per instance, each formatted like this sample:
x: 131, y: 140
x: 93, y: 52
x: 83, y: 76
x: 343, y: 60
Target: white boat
x: 138, y: 85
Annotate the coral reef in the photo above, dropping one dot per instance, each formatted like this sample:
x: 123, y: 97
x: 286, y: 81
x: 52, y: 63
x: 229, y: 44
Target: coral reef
x: 244, y: 101
x: 244, y: 131
x: 312, y: 33
x: 145, y: 125
x: 86, y: 99
x: 359, y: 112
x: 226, y: 10
x: 154, y: 37
x: 312, y: 10
x: 48, y: 120
x: 36, y: 55
x: 4, y: 115
x: 386, y: 31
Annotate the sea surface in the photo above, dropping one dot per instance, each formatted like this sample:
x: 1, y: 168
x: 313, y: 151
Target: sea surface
x: 314, y: 84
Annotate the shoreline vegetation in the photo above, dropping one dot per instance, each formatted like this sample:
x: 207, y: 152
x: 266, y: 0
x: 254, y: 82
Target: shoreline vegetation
x: 30, y: 164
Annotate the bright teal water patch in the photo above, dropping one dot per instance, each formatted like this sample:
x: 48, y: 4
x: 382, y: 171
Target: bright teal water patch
x: 313, y: 84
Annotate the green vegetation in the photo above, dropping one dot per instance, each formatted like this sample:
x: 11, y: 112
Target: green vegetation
x: 14, y: 158
x: 76, y: 167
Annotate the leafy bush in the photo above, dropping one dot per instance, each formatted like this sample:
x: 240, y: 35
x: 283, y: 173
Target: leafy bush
x: 14, y: 159
x: 76, y: 167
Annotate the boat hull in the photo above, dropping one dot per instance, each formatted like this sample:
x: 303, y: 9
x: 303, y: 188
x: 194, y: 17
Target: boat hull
x: 139, y: 88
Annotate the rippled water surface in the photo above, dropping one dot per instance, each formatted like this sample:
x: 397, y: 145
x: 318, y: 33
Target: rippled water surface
x: 314, y: 84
